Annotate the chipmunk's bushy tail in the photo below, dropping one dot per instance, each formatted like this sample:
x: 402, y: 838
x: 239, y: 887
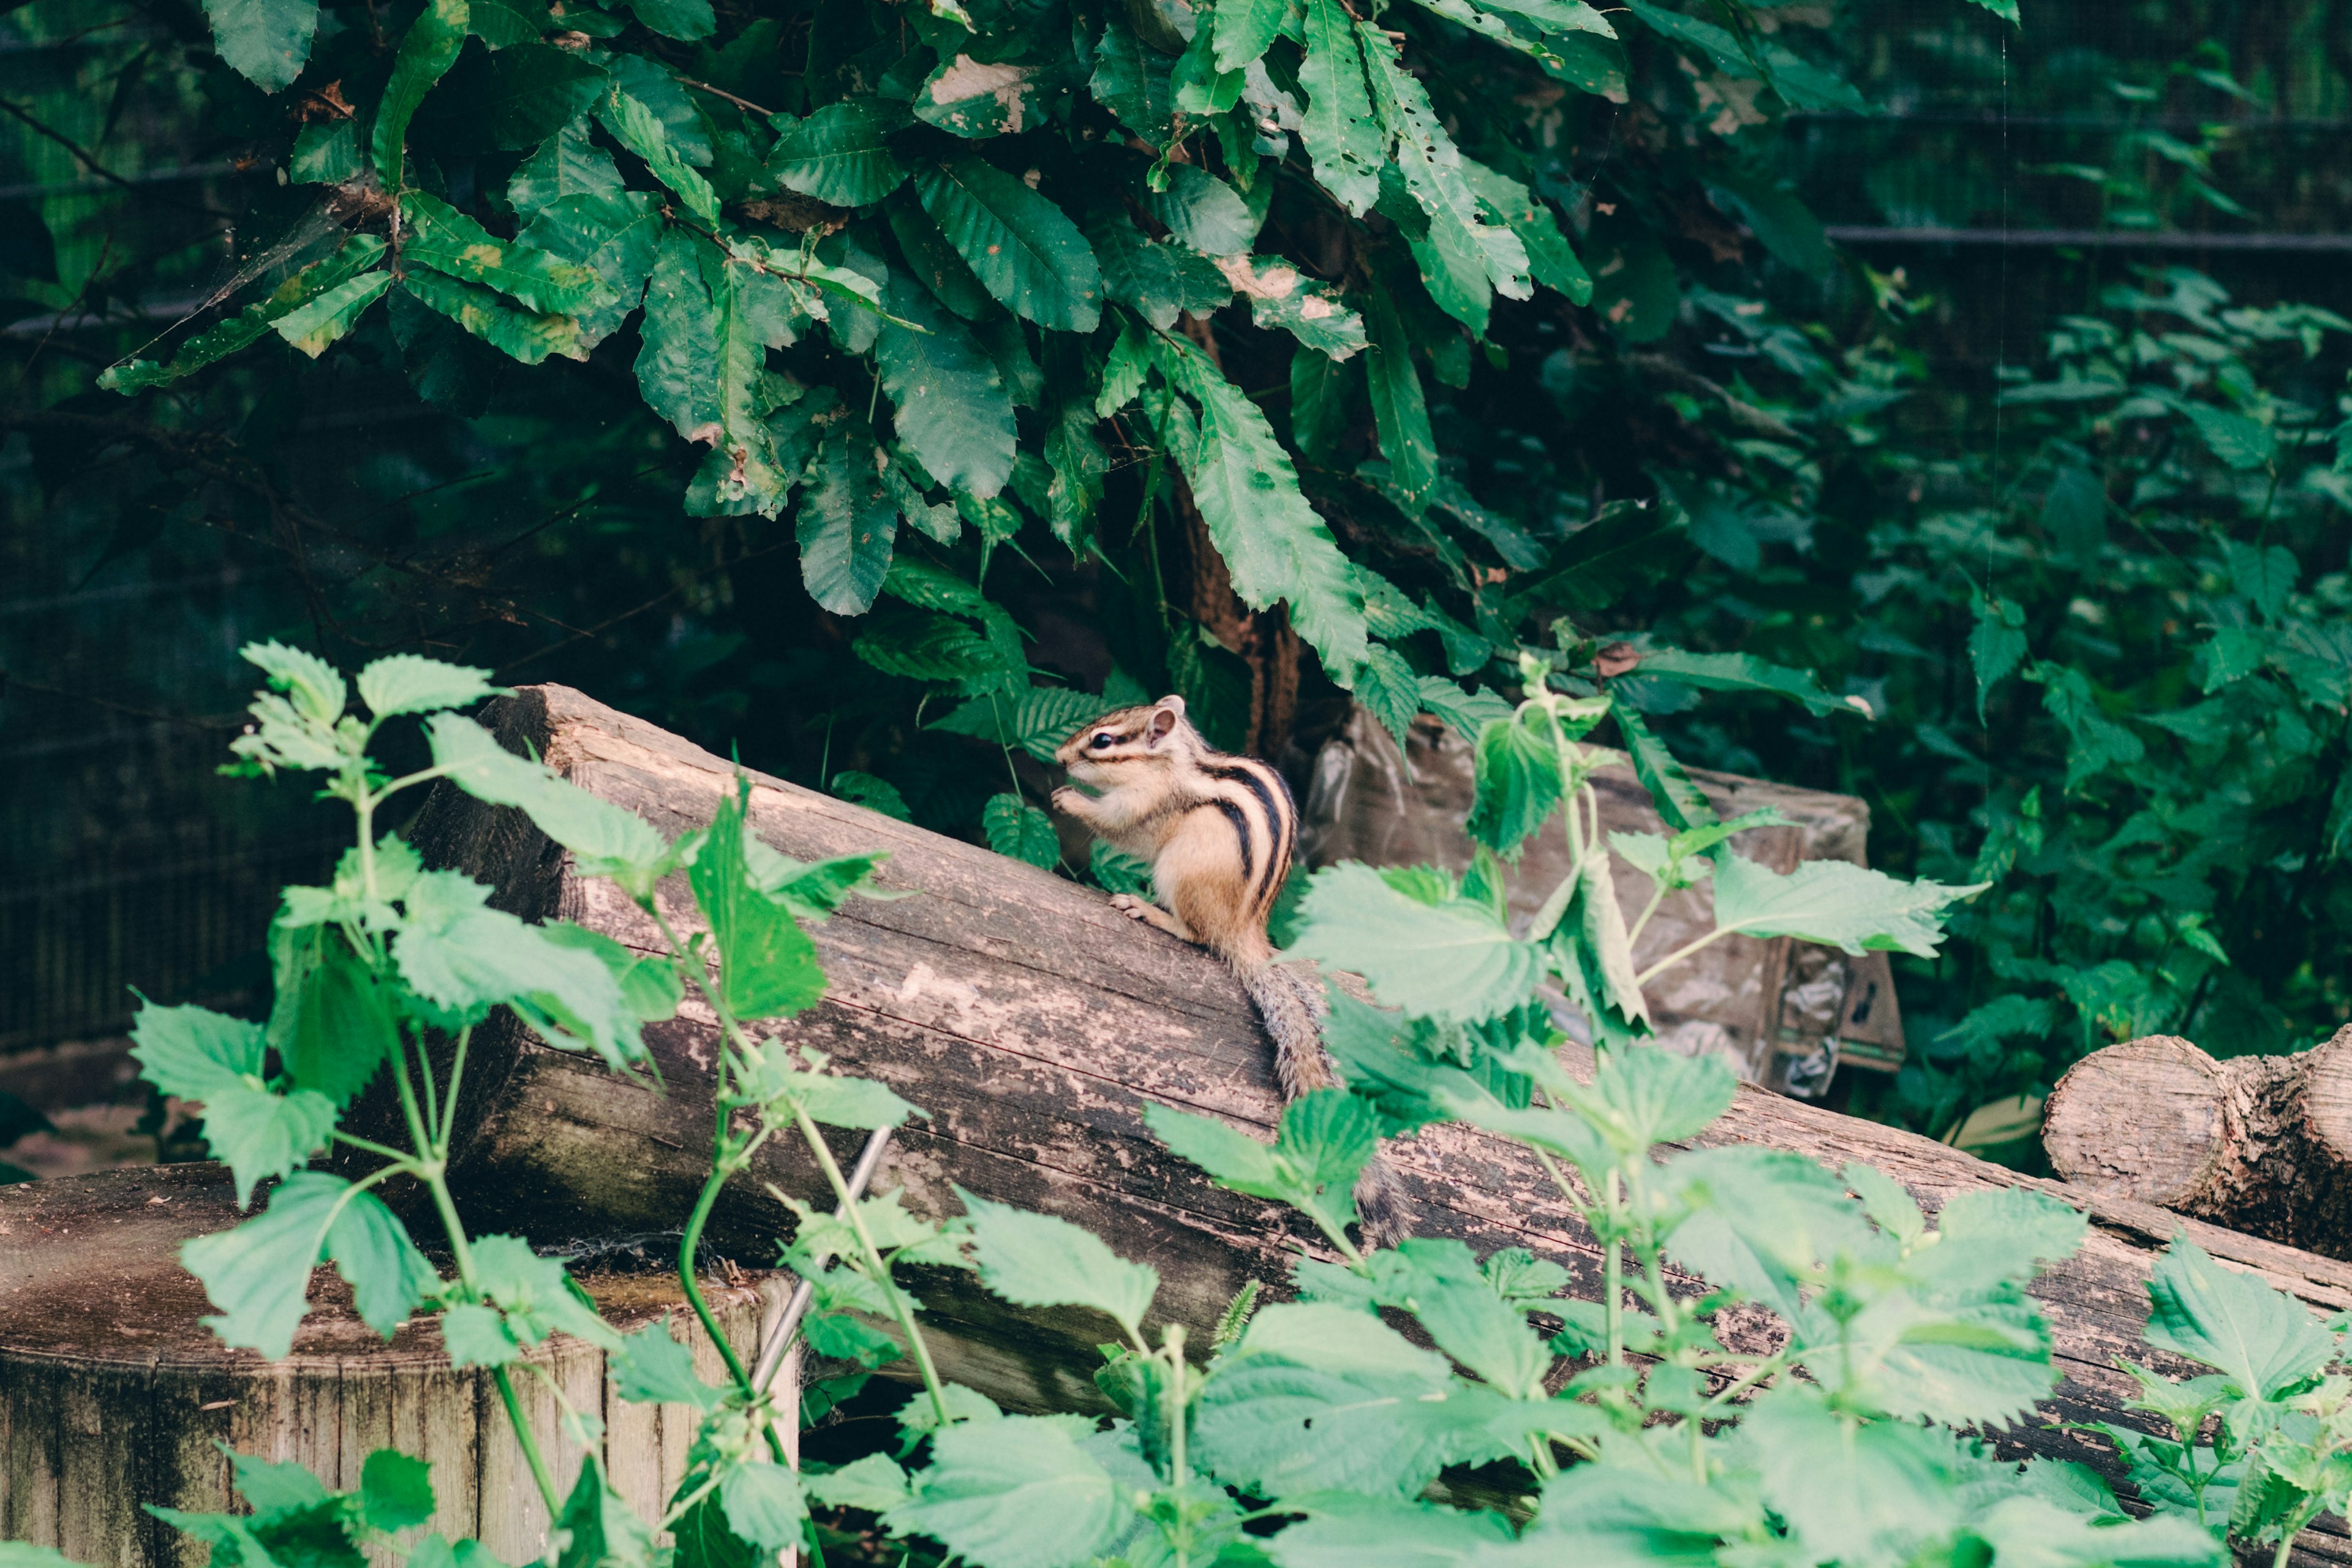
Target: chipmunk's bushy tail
x: 1289, y: 1001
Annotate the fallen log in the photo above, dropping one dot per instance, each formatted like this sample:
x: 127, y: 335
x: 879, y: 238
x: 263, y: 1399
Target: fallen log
x: 114, y: 1395
x: 1034, y: 1023
x: 2261, y: 1144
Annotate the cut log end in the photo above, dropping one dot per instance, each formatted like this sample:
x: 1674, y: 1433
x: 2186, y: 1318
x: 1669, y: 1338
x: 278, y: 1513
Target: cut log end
x: 2145, y: 1120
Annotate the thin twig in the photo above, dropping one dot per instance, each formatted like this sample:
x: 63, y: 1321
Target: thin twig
x: 722, y: 92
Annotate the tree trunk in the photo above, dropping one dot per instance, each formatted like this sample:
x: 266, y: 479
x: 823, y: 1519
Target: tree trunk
x: 2261, y: 1144
x: 114, y: 1395
x: 1034, y: 1024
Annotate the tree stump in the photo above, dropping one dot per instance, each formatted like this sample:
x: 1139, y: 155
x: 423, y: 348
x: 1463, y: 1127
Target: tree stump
x: 1034, y: 1023
x: 114, y: 1395
x: 2261, y: 1144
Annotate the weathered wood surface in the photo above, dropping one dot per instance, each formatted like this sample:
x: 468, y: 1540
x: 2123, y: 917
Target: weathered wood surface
x: 2258, y: 1143
x: 113, y: 1394
x: 1034, y: 1023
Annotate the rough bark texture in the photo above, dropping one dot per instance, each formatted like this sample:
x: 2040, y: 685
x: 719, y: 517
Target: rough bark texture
x: 2258, y: 1143
x: 113, y: 1394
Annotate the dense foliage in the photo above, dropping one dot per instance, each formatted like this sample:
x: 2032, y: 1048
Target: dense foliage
x: 1645, y: 1425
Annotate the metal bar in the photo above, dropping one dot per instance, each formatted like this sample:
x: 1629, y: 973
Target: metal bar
x: 2122, y: 239
x: 788, y: 1327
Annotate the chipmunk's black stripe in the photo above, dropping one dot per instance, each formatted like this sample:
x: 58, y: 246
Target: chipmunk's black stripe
x: 1240, y: 819
x: 1281, y: 816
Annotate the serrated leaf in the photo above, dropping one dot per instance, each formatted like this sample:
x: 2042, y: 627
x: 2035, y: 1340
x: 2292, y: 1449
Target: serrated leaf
x: 768, y: 965
x: 1996, y: 645
x: 1389, y: 690
x: 1551, y: 260
x: 1518, y: 783
x: 1340, y: 136
x: 1626, y: 545
x: 1282, y: 296
x: 952, y: 409
x: 1021, y: 247
x: 446, y: 239
x: 1156, y: 279
x: 1021, y: 1492
x: 1133, y: 81
x: 518, y: 333
x: 614, y: 235
x: 1037, y: 721
x: 1204, y: 211
x: 191, y: 1053
x: 1037, y: 1260
x: 313, y: 327
x: 267, y: 42
x: 686, y: 19
x: 453, y: 951
x: 2263, y: 1340
x: 339, y: 1026
x: 426, y: 52
x: 840, y: 153
x: 848, y: 524
x: 641, y: 130
x: 567, y: 164
x: 1455, y: 961
x: 979, y: 99
x: 1746, y: 672
x: 534, y: 90
x: 249, y: 325
x: 1021, y: 831
x: 259, y: 1275
x: 649, y: 1367
x: 764, y: 1504
x: 1468, y: 713
x: 407, y: 683
x: 1834, y: 902
x: 609, y: 840
x: 1245, y: 29
x: 1272, y: 543
x: 395, y: 1490
x: 1400, y: 411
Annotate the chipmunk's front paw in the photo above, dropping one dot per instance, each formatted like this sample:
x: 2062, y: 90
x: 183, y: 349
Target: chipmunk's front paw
x: 1067, y: 801
x: 1131, y: 906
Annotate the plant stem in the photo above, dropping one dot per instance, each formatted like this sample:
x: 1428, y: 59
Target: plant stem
x: 876, y: 1268
x: 1718, y: 935
x: 449, y: 1094
x: 1613, y: 1274
x: 1657, y: 897
x: 530, y: 1442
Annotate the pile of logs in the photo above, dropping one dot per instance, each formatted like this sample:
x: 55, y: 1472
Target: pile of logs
x: 1032, y: 1022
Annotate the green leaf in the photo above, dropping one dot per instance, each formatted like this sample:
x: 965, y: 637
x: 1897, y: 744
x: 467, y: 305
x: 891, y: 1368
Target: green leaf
x: 1551, y: 260
x: 454, y: 952
x: 642, y: 131
x: 2263, y: 1340
x: 2263, y: 575
x: 841, y: 153
x: 267, y: 42
x: 407, y: 683
x: 651, y: 1368
x: 500, y: 23
x: 248, y: 326
x: 768, y: 966
x: 608, y: 840
x: 519, y: 334
x: 874, y: 794
x: 395, y: 1490
x: 599, y: 1528
x: 426, y: 52
x: 1682, y: 803
x: 192, y: 1053
x: 340, y: 1024
x: 1834, y: 902
x: 1037, y: 721
x: 1156, y: 279
x: 259, y: 1275
x: 976, y: 99
x: 1341, y: 138
x: 1282, y: 296
x: 1320, y: 1397
x: 1273, y: 545
x: 325, y: 154
x: 534, y: 90
x: 1995, y: 646
x: 1453, y: 961
x: 686, y: 19
x: 1469, y: 712
x: 848, y: 524
x: 764, y: 1504
x: 1518, y: 781
x: 871, y: 1482
x: 1020, y: 246
x: 536, y: 1294
x: 260, y: 1135
x: 1021, y: 1492
x: 1746, y: 672
x: 1204, y: 211
x: 1132, y: 80
x: 1439, y: 1282
x: 1626, y: 545
x: 1245, y: 29
x: 1037, y: 1260
x: 1595, y: 956
x: 568, y: 164
x: 312, y: 328
x: 614, y: 235
x: 1021, y: 831
x: 1387, y: 1533
x: 1323, y: 1142
x: 778, y: 1078
x: 1388, y: 689
x: 2239, y: 441
x: 446, y: 239
x: 952, y: 409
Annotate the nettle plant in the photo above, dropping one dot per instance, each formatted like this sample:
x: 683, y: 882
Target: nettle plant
x: 1305, y: 1433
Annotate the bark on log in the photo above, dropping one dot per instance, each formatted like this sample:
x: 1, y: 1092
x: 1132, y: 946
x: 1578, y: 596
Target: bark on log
x: 2261, y: 1144
x: 113, y: 1394
x: 1034, y: 1023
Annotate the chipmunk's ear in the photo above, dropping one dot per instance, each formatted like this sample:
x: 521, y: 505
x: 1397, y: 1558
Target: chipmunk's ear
x: 1163, y: 723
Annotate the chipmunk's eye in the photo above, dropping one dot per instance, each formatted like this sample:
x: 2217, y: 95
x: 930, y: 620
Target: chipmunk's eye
x: 1102, y: 740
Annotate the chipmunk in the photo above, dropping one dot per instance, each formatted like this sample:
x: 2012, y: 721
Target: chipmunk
x: 1219, y: 831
